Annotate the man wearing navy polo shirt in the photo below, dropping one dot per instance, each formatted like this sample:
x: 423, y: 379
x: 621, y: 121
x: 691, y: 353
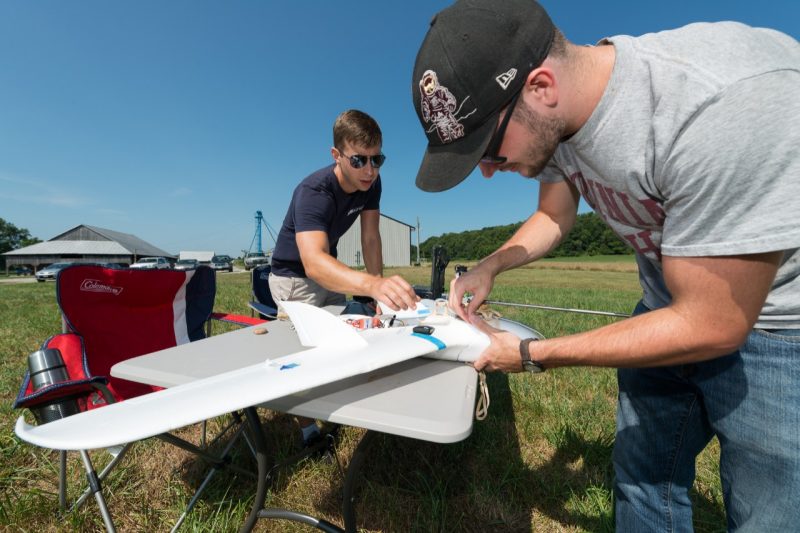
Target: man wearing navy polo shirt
x: 324, y: 206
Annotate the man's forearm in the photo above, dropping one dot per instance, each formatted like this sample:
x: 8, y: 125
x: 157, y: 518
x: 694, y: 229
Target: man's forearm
x: 715, y: 303
x: 338, y: 277
x: 658, y: 338
x: 533, y: 240
x: 373, y: 255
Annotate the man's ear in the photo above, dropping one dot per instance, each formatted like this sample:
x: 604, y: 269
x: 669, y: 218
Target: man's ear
x: 542, y: 86
x: 335, y: 154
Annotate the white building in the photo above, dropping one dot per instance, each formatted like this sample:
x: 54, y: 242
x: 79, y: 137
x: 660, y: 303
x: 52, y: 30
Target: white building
x: 395, y: 240
x: 202, y: 257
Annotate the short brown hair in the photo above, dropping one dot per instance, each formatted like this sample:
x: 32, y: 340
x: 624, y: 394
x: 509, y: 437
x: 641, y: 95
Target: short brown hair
x: 558, y: 48
x: 356, y: 127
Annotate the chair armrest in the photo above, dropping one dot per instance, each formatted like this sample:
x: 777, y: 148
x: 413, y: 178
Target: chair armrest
x: 240, y: 320
x: 270, y: 312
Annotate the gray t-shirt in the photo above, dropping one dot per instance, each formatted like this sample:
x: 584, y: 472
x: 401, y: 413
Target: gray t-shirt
x: 694, y: 150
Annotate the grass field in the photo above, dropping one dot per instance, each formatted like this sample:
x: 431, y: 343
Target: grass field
x: 541, y: 461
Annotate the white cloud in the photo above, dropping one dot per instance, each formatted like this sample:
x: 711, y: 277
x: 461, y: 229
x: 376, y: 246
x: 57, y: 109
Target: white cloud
x: 32, y: 191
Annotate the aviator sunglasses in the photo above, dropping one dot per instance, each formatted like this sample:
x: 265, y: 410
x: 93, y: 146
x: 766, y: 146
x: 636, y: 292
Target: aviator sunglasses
x: 358, y: 161
x: 491, y: 157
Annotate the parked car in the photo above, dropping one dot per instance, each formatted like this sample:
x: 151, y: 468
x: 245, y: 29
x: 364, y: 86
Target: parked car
x: 253, y: 259
x: 186, y: 264
x: 51, y: 271
x: 23, y: 271
x: 114, y: 265
x: 222, y: 262
x: 151, y: 263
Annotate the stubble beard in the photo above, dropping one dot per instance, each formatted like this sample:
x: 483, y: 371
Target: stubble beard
x: 546, y: 133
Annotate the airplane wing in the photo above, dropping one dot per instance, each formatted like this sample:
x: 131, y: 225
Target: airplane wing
x: 339, y: 352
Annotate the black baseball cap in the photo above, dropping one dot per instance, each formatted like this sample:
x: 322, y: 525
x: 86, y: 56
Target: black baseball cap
x: 474, y: 59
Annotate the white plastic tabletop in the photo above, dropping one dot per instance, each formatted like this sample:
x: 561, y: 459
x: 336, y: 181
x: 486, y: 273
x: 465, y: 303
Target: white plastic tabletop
x: 425, y: 399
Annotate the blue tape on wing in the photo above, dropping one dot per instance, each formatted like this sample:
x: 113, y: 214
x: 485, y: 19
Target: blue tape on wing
x: 289, y: 366
x: 439, y: 344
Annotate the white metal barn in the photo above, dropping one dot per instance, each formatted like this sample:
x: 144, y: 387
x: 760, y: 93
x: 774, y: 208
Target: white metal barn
x: 202, y: 257
x: 395, y: 240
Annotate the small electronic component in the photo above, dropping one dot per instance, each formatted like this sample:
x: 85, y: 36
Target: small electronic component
x: 423, y: 330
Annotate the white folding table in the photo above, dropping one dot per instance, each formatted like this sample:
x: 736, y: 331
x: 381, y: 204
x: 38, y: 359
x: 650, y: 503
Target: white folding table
x: 421, y: 398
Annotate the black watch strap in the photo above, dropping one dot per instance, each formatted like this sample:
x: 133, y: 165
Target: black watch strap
x: 527, y: 363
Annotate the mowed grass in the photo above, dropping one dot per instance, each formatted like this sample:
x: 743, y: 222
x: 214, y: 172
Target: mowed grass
x: 541, y: 461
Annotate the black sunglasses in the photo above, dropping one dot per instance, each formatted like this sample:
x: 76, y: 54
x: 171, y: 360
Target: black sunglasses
x: 358, y: 161
x: 491, y: 157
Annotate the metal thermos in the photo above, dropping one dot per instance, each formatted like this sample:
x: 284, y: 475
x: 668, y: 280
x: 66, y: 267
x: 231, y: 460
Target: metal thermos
x: 46, y: 368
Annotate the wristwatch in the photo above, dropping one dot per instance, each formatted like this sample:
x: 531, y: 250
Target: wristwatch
x: 529, y: 365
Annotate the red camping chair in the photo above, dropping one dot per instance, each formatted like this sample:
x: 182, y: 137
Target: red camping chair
x: 111, y: 315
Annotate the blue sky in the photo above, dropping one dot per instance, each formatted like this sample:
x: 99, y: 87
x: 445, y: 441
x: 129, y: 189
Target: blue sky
x: 176, y: 120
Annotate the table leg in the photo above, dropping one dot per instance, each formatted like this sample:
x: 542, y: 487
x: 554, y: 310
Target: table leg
x: 353, y: 470
x: 258, y: 511
x: 261, y: 459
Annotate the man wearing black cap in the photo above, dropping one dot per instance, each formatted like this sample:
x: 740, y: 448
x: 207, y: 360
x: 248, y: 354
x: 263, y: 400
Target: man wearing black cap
x: 687, y: 143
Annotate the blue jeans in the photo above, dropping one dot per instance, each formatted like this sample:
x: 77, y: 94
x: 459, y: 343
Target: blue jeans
x: 749, y: 400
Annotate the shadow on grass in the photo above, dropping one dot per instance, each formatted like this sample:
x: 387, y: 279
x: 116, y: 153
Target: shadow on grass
x: 474, y: 485
x: 573, y: 487
x: 483, y: 484
x: 283, y: 442
x: 466, y: 486
x: 486, y: 483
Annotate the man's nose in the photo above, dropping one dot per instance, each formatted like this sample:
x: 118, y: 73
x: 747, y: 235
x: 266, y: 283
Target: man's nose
x: 487, y: 169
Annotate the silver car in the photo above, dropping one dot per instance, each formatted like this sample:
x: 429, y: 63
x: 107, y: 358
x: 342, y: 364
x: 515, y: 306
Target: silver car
x: 51, y: 271
x: 185, y: 264
x: 253, y: 259
x: 222, y: 262
x: 150, y: 263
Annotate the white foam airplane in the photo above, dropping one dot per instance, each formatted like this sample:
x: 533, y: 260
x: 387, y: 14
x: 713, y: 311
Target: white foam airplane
x: 337, y: 351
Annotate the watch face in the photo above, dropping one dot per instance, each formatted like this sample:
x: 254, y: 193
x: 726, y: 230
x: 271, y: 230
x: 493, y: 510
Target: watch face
x: 532, y: 367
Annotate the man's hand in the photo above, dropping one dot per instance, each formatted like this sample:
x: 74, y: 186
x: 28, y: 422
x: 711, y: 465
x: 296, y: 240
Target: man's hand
x: 394, y: 291
x: 503, y: 351
x: 476, y: 281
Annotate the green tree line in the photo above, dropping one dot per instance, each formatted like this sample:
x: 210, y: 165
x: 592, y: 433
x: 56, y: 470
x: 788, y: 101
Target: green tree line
x: 589, y: 236
x: 12, y: 237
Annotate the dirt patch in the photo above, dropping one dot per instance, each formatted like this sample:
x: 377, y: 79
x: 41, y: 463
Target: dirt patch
x: 30, y: 279
x: 598, y: 267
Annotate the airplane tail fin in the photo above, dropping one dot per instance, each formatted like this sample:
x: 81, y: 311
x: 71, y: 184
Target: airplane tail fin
x: 317, y: 327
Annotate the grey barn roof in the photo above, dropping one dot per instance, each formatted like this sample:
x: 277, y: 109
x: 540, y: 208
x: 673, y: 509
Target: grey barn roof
x: 132, y: 243
x: 71, y: 247
x: 91, y: 240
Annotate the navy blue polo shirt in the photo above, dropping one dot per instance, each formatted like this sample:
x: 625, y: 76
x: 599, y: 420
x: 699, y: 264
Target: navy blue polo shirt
x: 319, y: 204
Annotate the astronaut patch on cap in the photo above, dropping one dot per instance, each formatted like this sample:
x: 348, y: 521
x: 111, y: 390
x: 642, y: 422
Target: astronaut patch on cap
x: 440, y: 108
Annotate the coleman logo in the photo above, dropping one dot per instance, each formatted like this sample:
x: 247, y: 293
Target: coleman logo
x: 505, y: 78
x: 93, y: 285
